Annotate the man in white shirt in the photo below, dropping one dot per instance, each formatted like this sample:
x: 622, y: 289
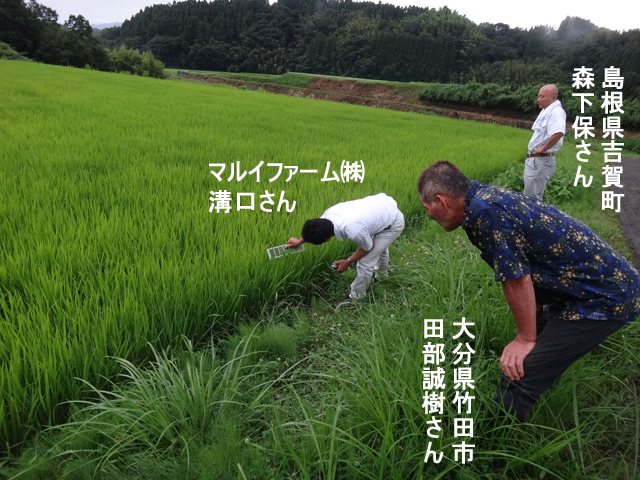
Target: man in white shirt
x: 548, y: 134
x: 372, y: 223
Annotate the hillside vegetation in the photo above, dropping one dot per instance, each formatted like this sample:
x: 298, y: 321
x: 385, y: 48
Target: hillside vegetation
x: 372, y: 40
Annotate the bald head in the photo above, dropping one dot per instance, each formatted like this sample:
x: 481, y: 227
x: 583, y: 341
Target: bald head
x: 547, y: 95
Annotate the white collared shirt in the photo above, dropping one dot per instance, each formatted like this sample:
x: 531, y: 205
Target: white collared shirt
x: 359, y: 220
x: 552, y: 119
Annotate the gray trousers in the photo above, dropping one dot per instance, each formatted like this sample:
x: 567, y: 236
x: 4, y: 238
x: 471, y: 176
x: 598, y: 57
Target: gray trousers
x: 378, y: 257
x: 537, y: 172
x: 559, y: 344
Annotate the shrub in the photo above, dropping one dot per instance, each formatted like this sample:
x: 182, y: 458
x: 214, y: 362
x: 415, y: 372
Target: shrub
x: 632, y: 144
x: 9, y: 53
x: 132, y: 61
x: 523, y: 100
x: 557, y: 190
x: 488, y: 95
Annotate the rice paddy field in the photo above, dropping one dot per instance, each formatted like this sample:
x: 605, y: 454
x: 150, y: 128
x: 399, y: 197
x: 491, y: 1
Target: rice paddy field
x: 120, y: 280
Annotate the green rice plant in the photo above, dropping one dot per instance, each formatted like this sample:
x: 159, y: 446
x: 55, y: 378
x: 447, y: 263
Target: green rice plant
x: 108, y: 246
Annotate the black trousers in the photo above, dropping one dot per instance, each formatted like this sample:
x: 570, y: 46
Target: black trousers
x: 559, y: 344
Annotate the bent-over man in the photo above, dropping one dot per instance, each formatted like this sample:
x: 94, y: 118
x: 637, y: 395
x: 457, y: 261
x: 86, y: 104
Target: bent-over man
x: 372, y: 223
x: 543, y: 257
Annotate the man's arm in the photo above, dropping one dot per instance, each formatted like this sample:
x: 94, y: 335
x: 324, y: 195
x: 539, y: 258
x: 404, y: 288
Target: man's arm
x: 357, y: 255
x: 553, y: 139
x: 522, y: 302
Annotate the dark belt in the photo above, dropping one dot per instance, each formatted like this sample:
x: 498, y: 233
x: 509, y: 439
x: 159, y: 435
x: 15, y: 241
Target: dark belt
x: 540, y: 155
x: 384, y: 229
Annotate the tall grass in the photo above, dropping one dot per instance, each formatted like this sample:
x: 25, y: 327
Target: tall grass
x: 108, y: 248
x: 156, y: 412
x: 315, y: 394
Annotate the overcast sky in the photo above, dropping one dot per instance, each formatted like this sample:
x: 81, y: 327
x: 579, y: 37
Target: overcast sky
x: 619, y: 15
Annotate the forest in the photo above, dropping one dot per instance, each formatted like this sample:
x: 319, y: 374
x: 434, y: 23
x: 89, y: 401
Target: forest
x: 373, y: 41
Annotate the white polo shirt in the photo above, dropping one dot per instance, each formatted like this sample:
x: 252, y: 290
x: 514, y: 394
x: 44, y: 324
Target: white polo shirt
x: 359, y: 220
x: 552, y: 119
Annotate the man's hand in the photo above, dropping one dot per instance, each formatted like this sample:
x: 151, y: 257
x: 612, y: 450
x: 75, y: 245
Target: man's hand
x: 513, y: 356
x: 342, y: 265
x: 294, y: 242
x: 521, y: 298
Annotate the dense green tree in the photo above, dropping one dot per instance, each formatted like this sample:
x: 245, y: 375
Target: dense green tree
x: 79, y: 25
x: 215, y: 56
x: 19, y: 26
x: 574, y: 29
x: 46, y: 15
x: 63, y: 46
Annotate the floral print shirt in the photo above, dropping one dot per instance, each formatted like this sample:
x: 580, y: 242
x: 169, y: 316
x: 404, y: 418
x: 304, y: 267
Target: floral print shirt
x: 570, y: 265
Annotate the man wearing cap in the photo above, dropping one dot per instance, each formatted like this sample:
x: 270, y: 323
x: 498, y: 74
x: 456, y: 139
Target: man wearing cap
x: 372, y: 223
x: 548, y: 134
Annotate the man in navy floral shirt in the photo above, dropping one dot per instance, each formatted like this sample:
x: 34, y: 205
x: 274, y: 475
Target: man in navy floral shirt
x: 544, y: 258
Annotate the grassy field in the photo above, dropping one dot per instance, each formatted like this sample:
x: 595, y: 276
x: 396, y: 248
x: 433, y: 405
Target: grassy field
x: 110, y: 259
x: 107, y: 239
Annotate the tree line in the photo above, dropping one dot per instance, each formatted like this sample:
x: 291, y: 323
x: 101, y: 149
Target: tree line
x: 373, y: 41
x: 32, y: 30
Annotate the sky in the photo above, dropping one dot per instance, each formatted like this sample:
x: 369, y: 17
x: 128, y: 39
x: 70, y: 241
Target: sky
x: 523, y: 14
